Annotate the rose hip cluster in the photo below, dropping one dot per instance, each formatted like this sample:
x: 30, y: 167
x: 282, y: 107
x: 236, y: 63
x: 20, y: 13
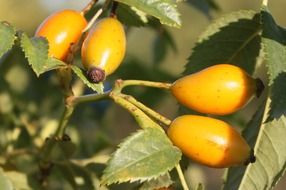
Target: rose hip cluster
x: 102, y: 50
x: 217, y: 90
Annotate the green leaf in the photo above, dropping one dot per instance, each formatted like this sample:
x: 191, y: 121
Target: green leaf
x: 36, y: 51
x: 274, y: 46
x: 130, y: 16
x: 273, y: 41
x: 270, y: 152
x: 52, y: 64
x: 233, y: 38
x: 80, y: 73
x: 160, y: 182
x: 278, y: 100
x: 5, y: 183
x: 143, y: 156
x: 234, y: 175
x: 7, y: 37
x: 165, y: 10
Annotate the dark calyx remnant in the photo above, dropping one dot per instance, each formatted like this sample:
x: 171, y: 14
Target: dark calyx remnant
x: 96, y: 74
x: 251, y: 158
x: 259, y: 87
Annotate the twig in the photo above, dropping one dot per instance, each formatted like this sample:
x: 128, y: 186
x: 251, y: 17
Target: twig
x: 120, y: 84
x: 182, y: 177
x: 88, y: 7
x: 147, y: 110
x: 88, y: 98
x: 141, y: 118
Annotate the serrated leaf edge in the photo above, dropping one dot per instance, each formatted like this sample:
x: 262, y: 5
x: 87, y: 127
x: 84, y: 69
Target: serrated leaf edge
x: 216, y: 26
x: 167, y: 185
x: 140, y: 179
x: 14, y: 37
x: 224, y: 20
x: 27, y: 56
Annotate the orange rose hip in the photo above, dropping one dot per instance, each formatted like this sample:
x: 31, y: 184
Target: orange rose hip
x: 62, y: 29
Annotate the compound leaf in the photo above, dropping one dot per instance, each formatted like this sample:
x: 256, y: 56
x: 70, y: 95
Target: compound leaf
x: 144, y: 156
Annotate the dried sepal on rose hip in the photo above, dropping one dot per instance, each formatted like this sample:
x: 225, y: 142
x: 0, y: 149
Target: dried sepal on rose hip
x: 220, y: 89
x: 62, y: 29
x: 103, y: 48
x: 210, y: 141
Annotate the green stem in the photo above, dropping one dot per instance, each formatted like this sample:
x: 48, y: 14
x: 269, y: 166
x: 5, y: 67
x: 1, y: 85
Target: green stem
x: 182, y: 177
x: 89, y: 98
x: 64, y: 120
x: 141, y: 118
x: 146, y: 109
x: 46, y: 151
x: 120, y: 84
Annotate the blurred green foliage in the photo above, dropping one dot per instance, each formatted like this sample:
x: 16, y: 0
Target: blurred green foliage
x: 30, y: 106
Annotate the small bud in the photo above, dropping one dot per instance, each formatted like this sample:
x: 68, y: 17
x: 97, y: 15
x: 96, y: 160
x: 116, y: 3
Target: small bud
x: 96, y: 74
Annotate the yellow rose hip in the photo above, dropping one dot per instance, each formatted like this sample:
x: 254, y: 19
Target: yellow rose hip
x: 62, y: 29
x: 104, y: 46
x: 220, y: 89
x: 209, y: 141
